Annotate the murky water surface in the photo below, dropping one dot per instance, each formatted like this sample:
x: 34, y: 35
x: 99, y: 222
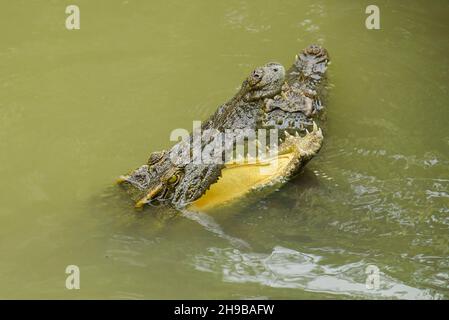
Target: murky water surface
x: 79, y: 108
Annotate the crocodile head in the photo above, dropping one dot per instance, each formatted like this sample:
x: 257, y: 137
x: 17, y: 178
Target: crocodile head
x: 154, y: 182
x: 202, y: 186
x: 263, y: 82
x: 158, y: 181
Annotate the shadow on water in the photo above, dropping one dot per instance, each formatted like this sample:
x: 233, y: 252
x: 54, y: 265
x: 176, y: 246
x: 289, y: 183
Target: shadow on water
x: 272, y: 240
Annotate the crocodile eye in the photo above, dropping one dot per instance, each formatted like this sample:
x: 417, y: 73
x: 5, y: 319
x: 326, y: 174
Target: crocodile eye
x: 173, y: 179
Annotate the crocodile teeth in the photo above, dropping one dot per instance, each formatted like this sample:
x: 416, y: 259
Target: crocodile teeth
x: 287, y: 135
x: 296, y: 134
x: 296, y: 58
x: 307, y: 131
x: 315, y: 127
x: 320, y: 133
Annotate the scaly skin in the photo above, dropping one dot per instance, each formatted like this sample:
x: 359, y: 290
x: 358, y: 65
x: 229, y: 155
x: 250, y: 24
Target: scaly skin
x: 239, y: 179
x: 300, y: 100
x: 301, y: 149
x: 256, y: 105
x: 160, y: 178
x: 298, y: 104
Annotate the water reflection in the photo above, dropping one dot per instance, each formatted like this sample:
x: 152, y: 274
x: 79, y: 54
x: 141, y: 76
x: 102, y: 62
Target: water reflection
x: 287, y: 268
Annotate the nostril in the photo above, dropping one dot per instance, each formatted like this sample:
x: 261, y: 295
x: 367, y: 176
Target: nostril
x: 275, y: 69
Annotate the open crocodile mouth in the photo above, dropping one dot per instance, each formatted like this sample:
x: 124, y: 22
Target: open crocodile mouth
x: 207, y: 185
x: 239, y: 179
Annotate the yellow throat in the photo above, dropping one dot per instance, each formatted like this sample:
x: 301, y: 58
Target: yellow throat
x: 240, y: 178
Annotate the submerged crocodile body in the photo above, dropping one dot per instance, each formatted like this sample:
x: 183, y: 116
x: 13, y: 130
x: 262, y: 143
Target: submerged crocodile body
x: 264, y: 101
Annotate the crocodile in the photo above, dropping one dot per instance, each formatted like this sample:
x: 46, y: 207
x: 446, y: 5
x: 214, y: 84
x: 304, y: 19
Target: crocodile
x: 263, y: 101
x: 160, y: 176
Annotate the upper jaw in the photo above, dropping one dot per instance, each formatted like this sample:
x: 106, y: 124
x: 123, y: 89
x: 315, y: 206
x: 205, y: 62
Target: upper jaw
x: 139, y: 178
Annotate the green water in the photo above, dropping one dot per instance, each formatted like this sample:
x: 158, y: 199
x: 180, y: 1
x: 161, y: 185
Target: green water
x: 78, y: 108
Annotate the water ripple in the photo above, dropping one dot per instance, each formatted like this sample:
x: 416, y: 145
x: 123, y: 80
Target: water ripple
x: 287, y: 268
